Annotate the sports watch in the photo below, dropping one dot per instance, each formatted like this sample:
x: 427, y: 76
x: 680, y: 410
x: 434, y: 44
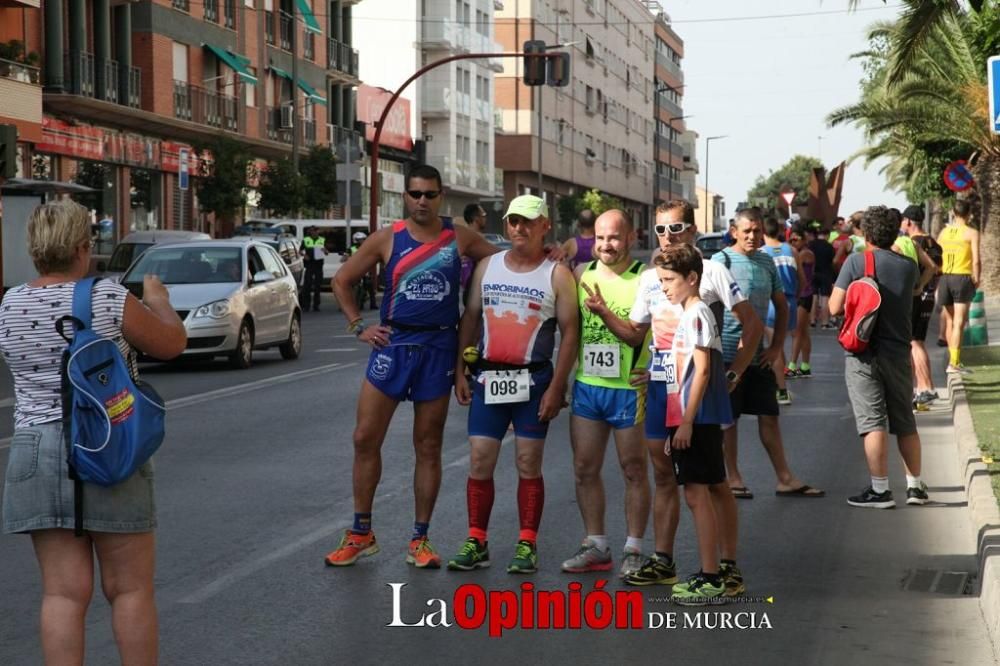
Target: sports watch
x: 732, y: 376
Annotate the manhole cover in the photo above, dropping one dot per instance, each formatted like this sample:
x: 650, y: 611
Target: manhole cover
x: 938, y: 581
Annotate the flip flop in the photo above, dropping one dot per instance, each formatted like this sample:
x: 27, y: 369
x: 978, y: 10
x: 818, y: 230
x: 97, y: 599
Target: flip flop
x: 801, y: 491
x: 741, y: 492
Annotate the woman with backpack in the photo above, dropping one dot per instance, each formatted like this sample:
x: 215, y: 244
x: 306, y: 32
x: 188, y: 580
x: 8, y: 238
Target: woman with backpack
x: 38, y: 498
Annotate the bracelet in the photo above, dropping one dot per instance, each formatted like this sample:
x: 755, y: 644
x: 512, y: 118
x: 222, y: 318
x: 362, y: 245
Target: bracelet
x: 357, y: 326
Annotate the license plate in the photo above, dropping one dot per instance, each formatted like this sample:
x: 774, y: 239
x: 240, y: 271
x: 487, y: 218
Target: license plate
x: 504, y: 386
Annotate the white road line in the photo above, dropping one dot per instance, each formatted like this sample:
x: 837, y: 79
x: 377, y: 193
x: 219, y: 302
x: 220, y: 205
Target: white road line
x: 179, y: 403
x: 333, y: 349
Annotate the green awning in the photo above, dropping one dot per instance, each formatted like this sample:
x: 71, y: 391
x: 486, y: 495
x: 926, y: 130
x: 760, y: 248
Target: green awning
x: 311, y: 93
x: 237, y: 63
x: 312, y: 25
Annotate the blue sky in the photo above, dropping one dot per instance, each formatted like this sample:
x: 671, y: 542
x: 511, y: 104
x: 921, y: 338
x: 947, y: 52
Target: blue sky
x: 770, y: 83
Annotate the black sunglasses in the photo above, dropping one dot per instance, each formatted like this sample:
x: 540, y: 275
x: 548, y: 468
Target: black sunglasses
x: 673, y: 227
x: 429, y: 194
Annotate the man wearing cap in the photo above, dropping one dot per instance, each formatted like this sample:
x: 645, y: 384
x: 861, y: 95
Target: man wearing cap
x: 517, y: 298
x: 923, y: 305
x: 314, y: 251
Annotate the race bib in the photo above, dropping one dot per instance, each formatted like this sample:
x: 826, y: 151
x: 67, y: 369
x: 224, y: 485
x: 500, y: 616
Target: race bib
x: 503, y: 386
x: 663, y: 369
x: 601, y: 360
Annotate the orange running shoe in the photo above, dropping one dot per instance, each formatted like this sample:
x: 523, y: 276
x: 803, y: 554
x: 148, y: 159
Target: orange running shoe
x: 422, y: 554
x: 351, y: 547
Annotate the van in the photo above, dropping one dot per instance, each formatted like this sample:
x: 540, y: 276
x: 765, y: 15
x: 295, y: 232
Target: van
x: 137, y: 242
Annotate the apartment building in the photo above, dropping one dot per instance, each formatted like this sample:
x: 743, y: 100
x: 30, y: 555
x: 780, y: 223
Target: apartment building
x: 669, y: 110
x: 453, y: 111
x: 20, y: 76
x: 711, y: 213
x: 133, y: 89
x: 598, y: 131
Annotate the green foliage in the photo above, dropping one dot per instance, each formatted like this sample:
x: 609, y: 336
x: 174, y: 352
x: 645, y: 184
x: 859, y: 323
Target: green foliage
x: 599, y: 202
x: 282, y: 190
x: 222, y: 180
x: 319, y: 169
x: 14, y: 51
x: 568, y: 208
x: 793, y: 175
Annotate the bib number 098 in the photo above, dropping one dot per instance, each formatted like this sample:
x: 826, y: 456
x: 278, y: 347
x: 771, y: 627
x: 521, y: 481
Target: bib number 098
x: 504, y: 386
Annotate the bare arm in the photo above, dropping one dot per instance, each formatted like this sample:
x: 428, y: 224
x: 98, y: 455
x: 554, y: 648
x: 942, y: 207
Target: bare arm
x: 569, y: 250
x: 568, y: 319
x: 152, y: 325
x: 372, y: 251
x: 626, y: 330
x: 752, y: 328
x: 976, y: 265
x: 928, y: 269
x: 780, y: 325
x: 467, y: 329
x: 836, y: 302
x: 471, y: 244
x: 699, y: 384
x: 799, y: 256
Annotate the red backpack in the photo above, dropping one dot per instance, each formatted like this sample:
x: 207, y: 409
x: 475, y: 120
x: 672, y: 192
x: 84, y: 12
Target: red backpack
x: 861, y: 306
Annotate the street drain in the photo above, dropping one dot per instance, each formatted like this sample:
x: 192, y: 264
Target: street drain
x: 937, y: 581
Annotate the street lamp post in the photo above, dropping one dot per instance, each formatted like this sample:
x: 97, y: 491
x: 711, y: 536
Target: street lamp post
x: 709, y: 203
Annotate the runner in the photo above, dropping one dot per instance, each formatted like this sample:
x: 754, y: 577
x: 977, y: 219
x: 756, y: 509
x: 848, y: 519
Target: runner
x: 580, y: 249
x: 605, y: 399
x: 959, y: 278
x: 413, y: 354
x: 801, y: 340
x: 518, y: 298
x: 822, y: 277
x: 652, y: 311
x: 787, y: 262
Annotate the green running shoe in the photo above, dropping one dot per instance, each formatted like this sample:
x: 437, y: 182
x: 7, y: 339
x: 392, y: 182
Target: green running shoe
x: 473, y: 555
x: 732, y: 577
x: 525, y: 558
x: 655, y: 571
x: 697, y: 591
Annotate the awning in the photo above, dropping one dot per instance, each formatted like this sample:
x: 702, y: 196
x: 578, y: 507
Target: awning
x: 237, y: 63
x: 312, y: 25
x: 311, y: 94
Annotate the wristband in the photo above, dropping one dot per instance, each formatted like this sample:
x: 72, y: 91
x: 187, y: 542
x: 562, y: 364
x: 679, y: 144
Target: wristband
x: 357, y: 326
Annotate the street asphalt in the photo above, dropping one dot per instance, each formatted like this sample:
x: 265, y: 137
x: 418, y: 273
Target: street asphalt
x: 254, y: 488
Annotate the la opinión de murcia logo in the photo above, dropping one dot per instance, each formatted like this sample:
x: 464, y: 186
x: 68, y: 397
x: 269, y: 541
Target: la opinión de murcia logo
x: 473, y: 607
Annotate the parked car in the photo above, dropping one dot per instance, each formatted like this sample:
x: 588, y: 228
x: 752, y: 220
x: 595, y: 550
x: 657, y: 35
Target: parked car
x: 709, y: 244
x: 234, y: 296
x: 132, y: 246
x: 288, y: 249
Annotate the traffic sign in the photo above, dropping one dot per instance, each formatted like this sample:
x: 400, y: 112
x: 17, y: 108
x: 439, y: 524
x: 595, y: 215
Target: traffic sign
x: 957, y: 176
x: 182, y: 171
x: 789, y: 197
x: 993, y: 76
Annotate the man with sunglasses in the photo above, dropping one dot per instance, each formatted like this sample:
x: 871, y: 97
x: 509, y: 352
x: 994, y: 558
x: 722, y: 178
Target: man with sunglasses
x: 652, y: 311
x: 413, y: 353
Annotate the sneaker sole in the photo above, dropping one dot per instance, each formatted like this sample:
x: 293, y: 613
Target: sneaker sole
x: 455, y: 566
x: 604, y: 566
x: 891, y: 504
x: 916, y: 501
x: 431, y: 564
x: 784, y: 402
x: 518, y: 570
x: 370, y: 550
x: 644, y: 583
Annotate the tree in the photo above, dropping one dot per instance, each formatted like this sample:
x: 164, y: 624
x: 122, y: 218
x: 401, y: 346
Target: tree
x: 319, y: 169
x: 598, y: 201
x: 282, y: 189
x: 793, y: 175
x: 225, y: 166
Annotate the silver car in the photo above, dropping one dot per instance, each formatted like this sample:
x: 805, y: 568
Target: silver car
x: 132, y: 246
x: 233, y: 295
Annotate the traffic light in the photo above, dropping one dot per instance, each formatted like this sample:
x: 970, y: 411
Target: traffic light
x: 557, y: 69
x: 8, y: 151
x: 534, y: 67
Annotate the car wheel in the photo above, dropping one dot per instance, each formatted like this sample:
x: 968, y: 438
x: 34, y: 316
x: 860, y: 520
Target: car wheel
x: 242, y: 356
x: 292, y: 347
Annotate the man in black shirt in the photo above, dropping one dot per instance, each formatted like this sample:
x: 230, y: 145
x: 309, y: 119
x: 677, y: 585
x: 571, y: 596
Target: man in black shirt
x: 822, y: 275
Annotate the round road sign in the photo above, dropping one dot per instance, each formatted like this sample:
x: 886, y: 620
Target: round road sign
x: 957, y: 176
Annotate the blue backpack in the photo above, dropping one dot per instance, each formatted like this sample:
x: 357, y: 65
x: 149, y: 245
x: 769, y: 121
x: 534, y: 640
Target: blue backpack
x: 112, y: 423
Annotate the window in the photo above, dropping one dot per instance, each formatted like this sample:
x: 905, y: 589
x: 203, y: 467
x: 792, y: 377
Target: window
x: 180, y: 54
x: 272, y: 263
x: 229, y: 13
x: 212, y: 10
x: 589, y: 49
x: 591, y: 107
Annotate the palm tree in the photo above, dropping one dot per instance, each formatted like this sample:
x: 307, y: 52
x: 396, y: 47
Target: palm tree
x: 927, y: 104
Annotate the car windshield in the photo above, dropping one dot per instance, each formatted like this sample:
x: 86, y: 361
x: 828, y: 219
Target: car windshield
x: 189, y: 265
x: 709, y: 245
x: 124, y: 255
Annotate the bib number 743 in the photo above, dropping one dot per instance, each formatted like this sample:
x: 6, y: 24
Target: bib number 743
x: 601, y: 360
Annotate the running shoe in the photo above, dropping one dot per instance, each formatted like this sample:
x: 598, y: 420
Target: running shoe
x: 828, y: 326
x: 473, y: 555
x: 588, y: 558
x: 632, y: 561
x: 422, y: 554
x: 525, y: 558
x: 925, y: 397
x: 697, y: 591
x: 783, y: 397
x: 805, y: 372
x: 917, y: 495
x: 959, y: 369
x: 352, y: 546
x: 921, y: 406
x: 869, y: 499
x: 792, y: 374
x: 654, y: 571
x: 732, y: 578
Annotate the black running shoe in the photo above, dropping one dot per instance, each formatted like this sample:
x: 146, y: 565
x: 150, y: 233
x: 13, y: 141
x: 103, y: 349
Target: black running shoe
x: 869, y: 499
x: 917, y: 496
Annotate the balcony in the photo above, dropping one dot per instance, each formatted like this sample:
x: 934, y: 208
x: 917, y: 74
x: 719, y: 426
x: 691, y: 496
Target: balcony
x: 229, y: 14
x: 183, y: 5
x: 212, y: 10
x: 16, y: 71
x: 308, y: 45
x: 437, y: 102
x: 205, y: 107
x: 666, y: 186
x: 670, y: 106
x: 22, y: 97
x: 285, y: 30
x: 275, y: 132
x: 340, y: 57
x: 82, y: 79
x: 670, y: 66
x: 269, y: 27
x: 446, y: 35
x: 345, y: 143
x: 309, y: 132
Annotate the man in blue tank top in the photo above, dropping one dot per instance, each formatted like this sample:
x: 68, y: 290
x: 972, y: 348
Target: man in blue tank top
x: 786, y: 260
x: 414, y: 346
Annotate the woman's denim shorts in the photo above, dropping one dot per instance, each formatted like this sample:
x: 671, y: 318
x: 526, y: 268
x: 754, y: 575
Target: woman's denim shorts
x: 38, y: 493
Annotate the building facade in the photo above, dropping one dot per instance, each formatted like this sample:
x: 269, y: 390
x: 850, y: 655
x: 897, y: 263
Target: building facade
x: 133, y: 89
x: 453, y: 113
x: 711, y: 213
x: 20, y: 75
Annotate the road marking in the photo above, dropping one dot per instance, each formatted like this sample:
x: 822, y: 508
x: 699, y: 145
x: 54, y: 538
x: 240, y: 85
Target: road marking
x: 336, y: 349
x: 179, y: 403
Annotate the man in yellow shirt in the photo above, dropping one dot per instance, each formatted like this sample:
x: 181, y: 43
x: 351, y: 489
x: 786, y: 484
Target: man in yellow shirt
x: 959, y: 278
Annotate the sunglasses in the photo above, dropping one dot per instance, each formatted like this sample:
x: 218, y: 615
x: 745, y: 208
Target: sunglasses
x: 429, y: 194
x: 673, y: 227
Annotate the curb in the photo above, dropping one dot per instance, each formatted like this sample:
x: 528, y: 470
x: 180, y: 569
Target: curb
x: 983, y: 509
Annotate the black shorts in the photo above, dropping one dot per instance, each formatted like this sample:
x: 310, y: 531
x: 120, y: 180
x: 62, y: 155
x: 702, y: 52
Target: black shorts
x: 703, y: 461
x: 756, y: 394
x: 806, y: 302
x: 822, y: 284
x: 955, y: 289
x: 923, y: 308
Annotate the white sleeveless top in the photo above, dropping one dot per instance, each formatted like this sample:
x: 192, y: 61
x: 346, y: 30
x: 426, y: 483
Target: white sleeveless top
x: 519, y: 313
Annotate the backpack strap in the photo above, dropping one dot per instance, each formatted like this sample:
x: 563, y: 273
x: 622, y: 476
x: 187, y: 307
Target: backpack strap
x: 82, y: 300
x: 726, y: 260
x: 870, y: 264
x: 82, y: 315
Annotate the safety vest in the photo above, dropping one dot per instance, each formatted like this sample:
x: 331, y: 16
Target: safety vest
x: 310, y: 245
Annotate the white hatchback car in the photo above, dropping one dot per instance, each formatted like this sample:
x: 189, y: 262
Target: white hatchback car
x: 233, y: 295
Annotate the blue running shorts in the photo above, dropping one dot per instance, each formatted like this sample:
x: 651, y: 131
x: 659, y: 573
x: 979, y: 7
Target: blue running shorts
x: 417, y: 372
x: 619, y: 407
x: 656, y: 411
x: 492, y: 420
x: 793, y: 313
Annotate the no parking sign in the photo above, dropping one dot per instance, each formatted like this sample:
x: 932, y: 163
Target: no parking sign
x: 957, y: 176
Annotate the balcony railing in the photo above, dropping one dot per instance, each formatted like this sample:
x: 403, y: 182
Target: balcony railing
x: 182, y: 5
x: 344, y: 142
x: 341, y: 57
x: 212, y: 10
x: 275, y: 132
x: 670, y: 66
x: 205, y: 107
x: 79, y: 74
x: 269, y: 27
x: 673, y: 187
x: 440, y: 102
x: 19, y: 72
x: 308, y: 45
x: 81, y: 79
x: 285, y: 24
x: 229, y: 14
x: 670, y: 106
x: 447, y: 35
x: 309, y: 132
